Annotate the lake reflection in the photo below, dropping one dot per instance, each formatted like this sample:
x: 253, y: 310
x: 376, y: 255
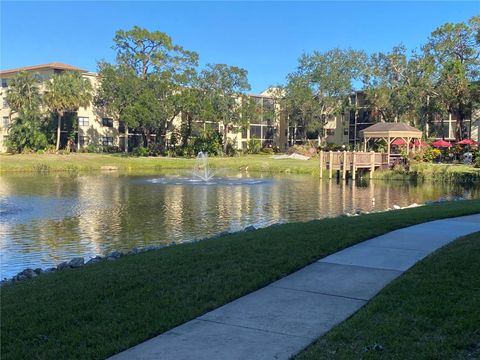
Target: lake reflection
x: 52, y: 218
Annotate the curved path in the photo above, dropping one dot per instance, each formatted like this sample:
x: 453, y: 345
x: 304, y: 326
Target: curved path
x: 281, y: 319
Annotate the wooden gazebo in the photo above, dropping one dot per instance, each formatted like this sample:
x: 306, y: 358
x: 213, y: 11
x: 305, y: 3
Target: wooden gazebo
x: 390, y: 132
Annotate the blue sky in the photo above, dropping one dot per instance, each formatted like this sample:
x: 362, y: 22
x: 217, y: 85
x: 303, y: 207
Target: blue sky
x: 266, y: 38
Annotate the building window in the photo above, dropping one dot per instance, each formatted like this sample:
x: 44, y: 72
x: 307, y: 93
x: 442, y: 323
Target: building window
x: 345, y: 131
x: 255, y: 131
x: 107, y: 141
x: 5, y: 103
x: 83, y: 140
x: 82, y: 121
x: 5, y: 122
x: 107, y: 122
x: 330, y: 132
x: 4, y: 83
x: 268, y: 111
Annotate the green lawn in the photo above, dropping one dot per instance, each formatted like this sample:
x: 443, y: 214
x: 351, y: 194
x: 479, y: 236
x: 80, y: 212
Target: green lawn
x: 431, y: 312
x: 94, y: 162
x: 99, y: 310
x: 253, y: 163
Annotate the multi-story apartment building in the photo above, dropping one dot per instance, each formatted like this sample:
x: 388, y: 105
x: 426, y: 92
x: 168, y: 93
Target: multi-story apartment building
x: 347, y: 128
x: 271, y: 127
x: 446, y: 128
x: 344, y: 128
x: 92, y: 126
x: 99, y: 130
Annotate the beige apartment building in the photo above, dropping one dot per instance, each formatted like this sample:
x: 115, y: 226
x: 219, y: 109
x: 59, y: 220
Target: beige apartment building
x: 96, y: 129
x: 271, y: 127
x: 92, y: 126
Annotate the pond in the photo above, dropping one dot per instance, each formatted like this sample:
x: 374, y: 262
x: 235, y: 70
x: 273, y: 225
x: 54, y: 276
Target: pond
x: 47, y: 219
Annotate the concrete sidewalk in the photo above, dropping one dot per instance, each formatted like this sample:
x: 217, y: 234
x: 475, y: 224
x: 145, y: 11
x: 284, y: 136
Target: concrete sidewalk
x: 281, y: 319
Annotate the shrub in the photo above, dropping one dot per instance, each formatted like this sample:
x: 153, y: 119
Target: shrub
x: 334, y: 147
x: 209, y: 141
x: 476, y: 161
x: 40, y: 152
x: 26, y: 134
x: 140, y: 151
x: 27, y: 150
x: 254, y: 146
x: 180, y: 151
x: 431, y: 154
x: 50, y: 149
x: 304, y: 150
x: 154, y: 149
x: 231, y: 150
x: 267, y: 151
x: 111, y: 149
x: 91, y: 148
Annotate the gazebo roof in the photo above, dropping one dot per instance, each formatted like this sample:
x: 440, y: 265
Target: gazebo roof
x: 381, y: 130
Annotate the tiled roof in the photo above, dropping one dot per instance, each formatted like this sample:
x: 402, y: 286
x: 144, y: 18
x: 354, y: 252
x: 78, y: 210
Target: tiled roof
x: 52, y: 65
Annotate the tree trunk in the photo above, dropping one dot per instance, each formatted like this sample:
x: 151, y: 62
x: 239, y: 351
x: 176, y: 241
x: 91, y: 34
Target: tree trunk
x: 126, y: 139
x: 443, y: 130
x: 146, y: 138
x: 78, y: 135
x: 459, y: 125
x: 458, y: 128
x: 187, y: 131
x: 225, y: 133
x: 59, y: 124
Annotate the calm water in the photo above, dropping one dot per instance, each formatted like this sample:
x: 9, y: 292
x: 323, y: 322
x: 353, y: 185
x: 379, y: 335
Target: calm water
x: 46, y: 219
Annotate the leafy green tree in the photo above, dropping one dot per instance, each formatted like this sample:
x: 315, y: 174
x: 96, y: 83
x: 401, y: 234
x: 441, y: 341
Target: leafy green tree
x: 304, y: 111
x: 26, y: 133
x: 143, y: 89
x: 420, y: 97
x: 27, y: 129
x: 454, y: 51
x: 387, y: 78
x: 23, y: 95
x: 195, y: 107
x: 319, y: 87
x: 225, y: 87
x: 118, y: 90
x: 66, y: 92
x: 154, y: 52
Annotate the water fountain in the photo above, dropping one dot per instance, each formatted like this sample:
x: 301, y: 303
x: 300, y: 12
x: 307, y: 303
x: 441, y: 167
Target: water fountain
x: 204, y: 176
x: 201, y: 169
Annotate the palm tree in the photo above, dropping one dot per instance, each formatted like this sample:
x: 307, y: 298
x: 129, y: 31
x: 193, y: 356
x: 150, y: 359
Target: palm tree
x: 66, y: 92
x: 23, y: 95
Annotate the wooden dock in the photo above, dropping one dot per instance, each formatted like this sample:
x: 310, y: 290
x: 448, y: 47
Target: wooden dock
x: 346, y: 161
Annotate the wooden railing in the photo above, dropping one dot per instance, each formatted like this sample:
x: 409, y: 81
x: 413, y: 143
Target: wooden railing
x: 345, y: 161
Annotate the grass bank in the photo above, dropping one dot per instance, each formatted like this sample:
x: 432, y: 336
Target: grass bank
x: 95, y: 162
x: 96, y: 311
x: 434, y: 172
x: 431, y: 312
x: 255, y: 163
